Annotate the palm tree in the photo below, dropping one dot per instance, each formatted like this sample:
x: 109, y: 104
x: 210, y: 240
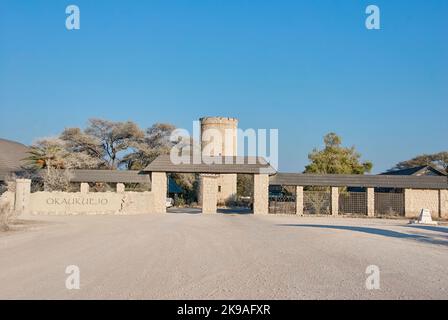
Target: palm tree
x: 46, y: 156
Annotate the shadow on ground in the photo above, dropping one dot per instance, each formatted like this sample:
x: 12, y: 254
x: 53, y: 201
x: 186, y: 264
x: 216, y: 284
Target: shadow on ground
x: 220, y: 210
x: 234, y: 211
x: 430, y: 228
x: 185, y: 210
x: 376, y: 231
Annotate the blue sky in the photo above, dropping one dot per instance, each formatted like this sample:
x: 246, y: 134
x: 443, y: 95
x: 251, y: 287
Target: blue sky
x: 304, y: 67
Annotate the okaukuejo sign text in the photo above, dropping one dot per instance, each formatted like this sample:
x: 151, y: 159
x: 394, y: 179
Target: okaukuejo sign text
x: 78, y: 201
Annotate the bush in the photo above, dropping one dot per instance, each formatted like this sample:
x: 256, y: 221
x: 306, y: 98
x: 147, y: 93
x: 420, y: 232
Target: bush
x: 5, y: 216
x: 179, y: 202
x: 56, y: 180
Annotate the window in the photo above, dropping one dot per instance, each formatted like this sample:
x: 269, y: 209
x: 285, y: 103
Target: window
x: 219, y: 188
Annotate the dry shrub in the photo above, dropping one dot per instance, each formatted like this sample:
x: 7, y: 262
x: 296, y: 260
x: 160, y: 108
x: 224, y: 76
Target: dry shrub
x: 56, y: 180
x: 317, y: 202
x: 5, y: 216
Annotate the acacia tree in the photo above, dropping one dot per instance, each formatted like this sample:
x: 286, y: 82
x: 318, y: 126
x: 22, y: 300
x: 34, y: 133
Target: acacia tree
x: 336, y: 159
x: 77, y: 141
x: 114, y: 137
x: 156, y: 141
x: 438, y: 160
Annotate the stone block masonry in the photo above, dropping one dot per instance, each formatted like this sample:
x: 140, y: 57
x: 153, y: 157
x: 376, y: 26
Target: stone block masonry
x: 22, y: 198
x: 261, y: 194
x: 209, y: 194
x: 370, y: 202
x: 299, y: 200
x: 334, y: 201
x: 159, y: 189
x: 417, y: 199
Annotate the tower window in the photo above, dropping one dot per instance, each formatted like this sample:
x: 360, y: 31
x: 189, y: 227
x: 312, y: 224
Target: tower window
x: 219, y: 188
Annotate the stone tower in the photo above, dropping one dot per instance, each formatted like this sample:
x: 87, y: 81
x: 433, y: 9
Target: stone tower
x: 227, y: 129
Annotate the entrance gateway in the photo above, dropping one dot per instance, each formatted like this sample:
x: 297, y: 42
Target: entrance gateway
x: 210, y: 169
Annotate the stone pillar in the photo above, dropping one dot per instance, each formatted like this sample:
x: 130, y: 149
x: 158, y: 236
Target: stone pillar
x: 334, y: 201
x: 209, y: 193
x: 23, y: 194
x: 370, y: 202
x: 443, y: 203
x: 261, y: 194
x: 299, y: 200
x: 408, y: 207
x: 120, y: 188
x: 85, y: 188
x: 159, y: 189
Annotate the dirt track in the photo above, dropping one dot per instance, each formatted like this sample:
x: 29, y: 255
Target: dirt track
x: 188, y: 256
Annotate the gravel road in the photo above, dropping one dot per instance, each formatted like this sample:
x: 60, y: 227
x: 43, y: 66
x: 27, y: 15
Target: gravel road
x: 223, y: 256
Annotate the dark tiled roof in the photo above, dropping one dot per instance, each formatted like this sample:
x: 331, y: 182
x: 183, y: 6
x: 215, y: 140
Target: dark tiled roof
x: 369, y: 181
x: 112, y: 176
x: 12, y: 155
x: 215, y: 165
x: 416, y: 171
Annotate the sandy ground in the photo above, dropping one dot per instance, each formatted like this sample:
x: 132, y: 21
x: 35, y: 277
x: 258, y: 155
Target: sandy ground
x: 224, y: 256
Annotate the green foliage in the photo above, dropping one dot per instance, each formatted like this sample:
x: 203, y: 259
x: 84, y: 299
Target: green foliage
x: 155, y: 142
x: 336, y: 159
x: 189, y: 182
x: 244, y: 185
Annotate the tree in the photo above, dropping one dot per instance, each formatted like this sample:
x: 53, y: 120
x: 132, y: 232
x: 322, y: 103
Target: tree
x: 46, y: 153
x: 103, y: 140
x: 55, y: 153
x: 245, y: 185
x: 77, y: 141
x: 155, y: 142
x: 114, y: 137
x: 438, y: 160
x: 336, y: 159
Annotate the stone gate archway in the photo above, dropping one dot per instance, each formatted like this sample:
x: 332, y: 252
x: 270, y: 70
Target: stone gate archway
x: 210, y: 168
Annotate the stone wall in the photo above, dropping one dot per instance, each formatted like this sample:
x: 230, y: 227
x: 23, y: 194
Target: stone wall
x: 443, y: 203
x: 417, y: 199
x: 83, y: 202
x: 69, y: 203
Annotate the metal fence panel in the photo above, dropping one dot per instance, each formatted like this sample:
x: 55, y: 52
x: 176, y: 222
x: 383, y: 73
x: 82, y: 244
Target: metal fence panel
x: 353, y: 203
x: 316, y: 202
x: 390, y: 203
x: 282, y: 204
